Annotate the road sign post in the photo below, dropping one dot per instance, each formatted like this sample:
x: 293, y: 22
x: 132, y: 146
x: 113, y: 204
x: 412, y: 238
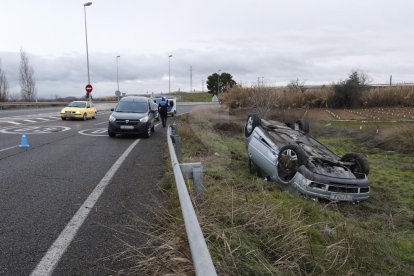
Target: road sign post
x: 88, y: 89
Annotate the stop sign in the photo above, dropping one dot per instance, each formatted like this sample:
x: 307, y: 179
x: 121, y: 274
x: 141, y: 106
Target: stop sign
x: 88, y: 88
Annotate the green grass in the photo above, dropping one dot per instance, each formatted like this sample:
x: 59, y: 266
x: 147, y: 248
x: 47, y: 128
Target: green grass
x: 255, y: 227
x: 193, y: 97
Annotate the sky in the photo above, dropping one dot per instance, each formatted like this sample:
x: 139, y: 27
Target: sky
x: 315, y: 41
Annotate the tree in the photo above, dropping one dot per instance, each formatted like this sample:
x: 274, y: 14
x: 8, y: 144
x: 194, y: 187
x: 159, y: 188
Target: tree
x: 297, y: 85
x: 27, y: 81
x: 4, y: 86
x: 348, y: 93
x: 220, y: 83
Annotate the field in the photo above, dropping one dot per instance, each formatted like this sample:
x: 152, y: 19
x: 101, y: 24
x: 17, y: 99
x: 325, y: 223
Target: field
x: 254, y: 227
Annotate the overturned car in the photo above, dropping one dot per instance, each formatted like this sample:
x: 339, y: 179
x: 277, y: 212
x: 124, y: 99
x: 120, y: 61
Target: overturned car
x: 286, y: 153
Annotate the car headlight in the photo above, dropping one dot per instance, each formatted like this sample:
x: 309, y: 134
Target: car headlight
x: 77, y: 112
x: 144, y: 119
x: 112, y: 118
x: 62, y: 111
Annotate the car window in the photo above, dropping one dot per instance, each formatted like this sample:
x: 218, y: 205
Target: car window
x: 132, y: 107
x: 77, y: 104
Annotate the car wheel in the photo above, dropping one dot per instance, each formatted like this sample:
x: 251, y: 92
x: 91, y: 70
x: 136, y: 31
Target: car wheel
x: 359, y: 162
x: 290, y: 158
x: 84, y: 117
x: 63, y: 118
x: 252, y: 121
x: 111, y: 134
x: 302, y: 125
x: 148, y: 133
x: 94, y: 115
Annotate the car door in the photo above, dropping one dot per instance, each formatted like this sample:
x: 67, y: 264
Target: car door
x: 263, y: 152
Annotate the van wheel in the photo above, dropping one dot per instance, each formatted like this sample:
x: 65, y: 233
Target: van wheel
x: 148, y: 133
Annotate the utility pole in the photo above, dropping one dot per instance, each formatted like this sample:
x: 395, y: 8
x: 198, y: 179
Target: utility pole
x: 202, y: 86
x: 390, y: 80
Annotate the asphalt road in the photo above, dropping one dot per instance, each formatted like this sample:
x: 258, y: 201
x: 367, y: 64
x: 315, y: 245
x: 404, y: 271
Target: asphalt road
x: 44, y: 187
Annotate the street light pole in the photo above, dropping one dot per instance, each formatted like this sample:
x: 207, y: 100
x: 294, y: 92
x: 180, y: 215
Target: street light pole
x: 86, y: 35
x: 169, y: 73
x: 117, y: 78
x: 218, y: 82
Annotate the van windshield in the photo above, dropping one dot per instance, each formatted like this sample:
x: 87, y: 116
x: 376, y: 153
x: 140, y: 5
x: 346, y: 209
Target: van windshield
x: 132, y: 107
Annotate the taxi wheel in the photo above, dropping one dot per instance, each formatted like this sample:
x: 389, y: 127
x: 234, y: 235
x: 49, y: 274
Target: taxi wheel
x: 94, y: 116
x: 84, y: 117
x: 63, y: 119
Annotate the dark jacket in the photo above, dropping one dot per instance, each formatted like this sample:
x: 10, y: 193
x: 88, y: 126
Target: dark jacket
x: 163, y: 106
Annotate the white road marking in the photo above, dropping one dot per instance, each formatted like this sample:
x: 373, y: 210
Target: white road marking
x: 30, y: 121
x: 8, y: 148
x: 100, y: 123
x: 13, y: 123
x: 55, y: 252
x: 94, y: 132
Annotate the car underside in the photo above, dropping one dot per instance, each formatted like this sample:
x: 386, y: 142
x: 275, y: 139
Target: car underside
x: 286, y: 153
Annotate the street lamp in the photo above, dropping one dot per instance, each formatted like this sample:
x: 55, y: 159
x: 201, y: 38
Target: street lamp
x: 86, y: 35
x: 218, y: 82
x: 117, y: 78
x: 169, y: 73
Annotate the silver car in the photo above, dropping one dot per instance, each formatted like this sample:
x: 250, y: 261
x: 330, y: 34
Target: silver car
x: 289, y: 155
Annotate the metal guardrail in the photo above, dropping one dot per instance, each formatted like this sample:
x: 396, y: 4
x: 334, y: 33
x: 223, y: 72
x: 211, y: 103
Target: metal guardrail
x: 203, y: 264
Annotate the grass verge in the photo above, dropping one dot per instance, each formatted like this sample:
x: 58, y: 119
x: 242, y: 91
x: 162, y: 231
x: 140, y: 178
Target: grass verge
x: 254, y: 227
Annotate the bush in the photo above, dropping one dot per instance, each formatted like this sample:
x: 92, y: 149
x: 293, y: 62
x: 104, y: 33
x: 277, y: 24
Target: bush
x: 348, y: 93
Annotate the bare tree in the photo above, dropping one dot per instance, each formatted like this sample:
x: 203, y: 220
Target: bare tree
x: 264, y: 100
x: 27, y: 81
x: 4, y: 86
x: 297, y: 85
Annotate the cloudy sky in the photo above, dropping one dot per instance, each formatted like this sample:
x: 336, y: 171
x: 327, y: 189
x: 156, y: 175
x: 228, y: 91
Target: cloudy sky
x: 317, y: 41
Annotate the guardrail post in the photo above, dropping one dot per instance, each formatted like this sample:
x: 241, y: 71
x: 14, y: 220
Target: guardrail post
x: 194, y: 171
x: 198, y: 182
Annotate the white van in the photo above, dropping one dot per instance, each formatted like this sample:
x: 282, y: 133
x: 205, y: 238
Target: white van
x: 172, y: 104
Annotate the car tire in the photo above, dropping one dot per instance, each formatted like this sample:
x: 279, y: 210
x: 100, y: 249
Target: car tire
x: 84, y: 117
x: 290, y: 158
x: 94, y: 115
x: 252, y: 121
x: 361, y: 164
x: 111, y: 134
x: 148, y: 133
x: 63, y: 119
x: 302, y: 125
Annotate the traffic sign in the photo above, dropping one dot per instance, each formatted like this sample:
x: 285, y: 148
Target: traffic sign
x: 117, y: 93
x: 88, y: 88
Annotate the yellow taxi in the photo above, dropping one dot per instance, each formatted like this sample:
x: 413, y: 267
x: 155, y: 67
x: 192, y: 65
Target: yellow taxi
x: 79, y: 110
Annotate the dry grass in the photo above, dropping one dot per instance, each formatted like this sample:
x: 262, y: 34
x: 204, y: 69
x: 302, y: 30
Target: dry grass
x: 268, y: 98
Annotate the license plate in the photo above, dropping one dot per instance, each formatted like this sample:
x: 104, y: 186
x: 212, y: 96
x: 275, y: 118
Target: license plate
x: 127, y: 127
x: 341, y: 197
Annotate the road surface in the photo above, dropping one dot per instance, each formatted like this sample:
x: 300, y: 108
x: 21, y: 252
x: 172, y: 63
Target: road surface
x: 60, y: 197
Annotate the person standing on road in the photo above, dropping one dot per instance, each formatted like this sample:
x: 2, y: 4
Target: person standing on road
x: 163, y: 110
